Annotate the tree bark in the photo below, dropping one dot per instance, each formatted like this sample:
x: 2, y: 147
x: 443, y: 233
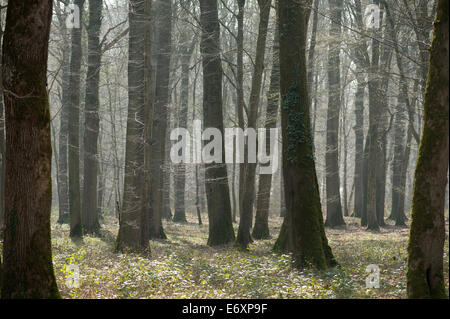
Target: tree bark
x: 76, y: 230
x: 132, y: 234
x: 216, y: 183
x: 160, y: 116
x: 243, y: 237
x: 425, y: 277
x: 261, y: 228
x: 27, y: 255
x: 90, y: 221
x: 303, y: 224
x: 334, y: 207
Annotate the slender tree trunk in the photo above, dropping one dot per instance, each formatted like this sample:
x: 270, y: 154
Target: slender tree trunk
x: 261, y: 228
x: 63, y: 194
x: 303, y: 224
x: 359, y: 148
x: 180, y: 176
x: 216, y: 183
x: 425, y: 277
x: 90, y: 196
x: 243, y: 237
x: 76, y: 230
x: 160, y: 116
x: 27, y: 254
x: 334, y: 207
x: 240, y: 91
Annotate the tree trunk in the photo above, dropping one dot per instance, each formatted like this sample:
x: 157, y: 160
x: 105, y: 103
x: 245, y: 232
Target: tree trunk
x: 27, y: 269
x: 90, y: 200
x: 303, y: 224
x: 261, y: 228
x: 180, y: 169
x: 425, y: 277
x: 216, y: 183
x: 243, y: 237
x: 334, y: 207
x: 63, y: 194
x: 132, y: 234
x: 359, y: 148
x: 76, y: 230
x: 160, y: 116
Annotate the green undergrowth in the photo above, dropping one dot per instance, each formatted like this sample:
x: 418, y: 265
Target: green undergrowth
x: 184, y: 267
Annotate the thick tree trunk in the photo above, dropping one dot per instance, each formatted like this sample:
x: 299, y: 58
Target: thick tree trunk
x: 132, y: 235
x: 28, y: 269
x: 243, y: 237
x: 76, y: 230
x: 334, y: 207
x: 425, y: 277
x: 216, y: 183
x: 90, y: 200
x: 261, y: 228
x: 303, y: 224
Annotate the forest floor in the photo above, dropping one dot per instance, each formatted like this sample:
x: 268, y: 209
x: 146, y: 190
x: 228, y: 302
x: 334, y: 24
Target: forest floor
x: 184, y: 267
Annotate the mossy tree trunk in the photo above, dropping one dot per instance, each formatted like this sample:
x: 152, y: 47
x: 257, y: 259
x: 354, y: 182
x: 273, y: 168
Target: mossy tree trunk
x: 303, y: 228
x: 76, y: 230
x: 216, y: 182
x: 27, y: 255
x: 425, y: 277
x: 90, y: 221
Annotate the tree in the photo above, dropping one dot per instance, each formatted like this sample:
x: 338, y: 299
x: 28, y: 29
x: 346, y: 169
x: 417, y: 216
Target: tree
x: 27, y: 256
x: 76, y: 229
x: 246, y: 214
x: 90, y: 202
x: 425, y: 278
x: 261, y: 227
x: 217, y: 189
x: 334, y: 207
x: 160, y: 116
x: 303, y: 230
x: 63, y: 193
x: 132, y: 231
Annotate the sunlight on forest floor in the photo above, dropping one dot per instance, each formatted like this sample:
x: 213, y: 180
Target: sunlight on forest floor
x: 184, y: 267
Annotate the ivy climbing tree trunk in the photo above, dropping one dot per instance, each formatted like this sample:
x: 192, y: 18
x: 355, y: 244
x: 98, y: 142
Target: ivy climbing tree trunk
x: 425, y: 277
x: 304, y: 232
x: 27, y: 255
x: 217, y: 189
